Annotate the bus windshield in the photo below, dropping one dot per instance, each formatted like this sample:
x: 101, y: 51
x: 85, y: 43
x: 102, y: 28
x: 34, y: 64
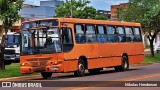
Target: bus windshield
x: 44, y: 41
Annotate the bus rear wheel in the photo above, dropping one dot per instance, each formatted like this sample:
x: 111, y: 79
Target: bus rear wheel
x: 124, y: 66
x: 81, y: 69
x: 46, y: 75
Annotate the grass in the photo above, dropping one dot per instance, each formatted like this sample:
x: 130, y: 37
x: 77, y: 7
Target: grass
x: 149, y: 59
x: 12, y: 70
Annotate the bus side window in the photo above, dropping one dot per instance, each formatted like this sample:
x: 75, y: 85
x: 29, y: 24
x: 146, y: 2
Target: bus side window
x: 80, y: 34
x: 101, y: 36
x: 129, y: 34
x: 90, y: 34
x: 137, y: 35
x: 121, y: 36
x: 111, y: 33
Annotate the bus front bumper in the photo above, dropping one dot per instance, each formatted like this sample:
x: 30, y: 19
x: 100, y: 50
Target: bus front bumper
x: 53, y: 68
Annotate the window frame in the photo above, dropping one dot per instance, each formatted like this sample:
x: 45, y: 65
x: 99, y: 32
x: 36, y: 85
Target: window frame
x: 95, y: 32
x: 124, y: 33
x: 132, y: 40
x: 62, y: 46
x: 110, y: 34
x: 82, y: 25
x: 75, y: 32
x: 104, y: 31
x: 140, y: 34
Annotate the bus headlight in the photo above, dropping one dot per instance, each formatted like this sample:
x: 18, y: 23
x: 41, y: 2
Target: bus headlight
x: 55, y: 62
x: 23, y: 64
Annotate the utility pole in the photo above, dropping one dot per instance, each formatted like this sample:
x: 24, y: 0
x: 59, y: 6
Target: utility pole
x: 71, y: 9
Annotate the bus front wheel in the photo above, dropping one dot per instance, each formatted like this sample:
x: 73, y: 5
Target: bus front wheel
x: 46, y: 75
x: 81, y: 69
x: 124, y: 66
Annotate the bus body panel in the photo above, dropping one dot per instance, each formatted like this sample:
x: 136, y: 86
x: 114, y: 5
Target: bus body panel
x: 108, y: 55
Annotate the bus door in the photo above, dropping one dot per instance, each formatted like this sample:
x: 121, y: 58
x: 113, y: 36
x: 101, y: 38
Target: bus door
x: 68, y: 50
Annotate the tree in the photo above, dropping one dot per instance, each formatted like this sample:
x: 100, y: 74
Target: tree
x: 71, y: 8
x: 8, y: 15
x: 87, y: 12
x: 101, y: 17
x: 147, y: 12
x: 78, y: 9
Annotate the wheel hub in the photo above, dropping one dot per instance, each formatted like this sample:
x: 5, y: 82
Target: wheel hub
x: 81, y: 68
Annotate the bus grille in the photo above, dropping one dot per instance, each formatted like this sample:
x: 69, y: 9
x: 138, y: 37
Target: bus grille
x: 9, y: 51
x: 37, y: 63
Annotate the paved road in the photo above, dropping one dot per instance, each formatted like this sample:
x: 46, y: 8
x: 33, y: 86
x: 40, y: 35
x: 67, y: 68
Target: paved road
x: 104, y: 80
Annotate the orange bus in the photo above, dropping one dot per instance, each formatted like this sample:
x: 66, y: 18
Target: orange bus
x: 58, y: 45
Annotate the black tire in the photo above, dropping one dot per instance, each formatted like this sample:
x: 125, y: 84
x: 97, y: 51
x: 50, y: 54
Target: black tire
x: 124, y: 66
x: 94, y: 71
x: 81, y: 69
x: 46, y: 75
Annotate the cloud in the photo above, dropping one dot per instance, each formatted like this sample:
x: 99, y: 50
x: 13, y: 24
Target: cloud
x: 98, y: 4
x: 35, y: 2
x: 105, y: 4
x: 29, y: 2
x: 114, y: 2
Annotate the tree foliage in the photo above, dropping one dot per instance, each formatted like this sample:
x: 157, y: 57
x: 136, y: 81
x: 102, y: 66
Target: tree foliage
x: 9, y: 12
x: 8, y: 15
x: 147, y: 12
x: 101, y: 17
x: 71, y: 5
x: 78, y: 9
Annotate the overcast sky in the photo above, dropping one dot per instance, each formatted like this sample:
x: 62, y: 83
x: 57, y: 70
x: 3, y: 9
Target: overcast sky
x: 98, y: 4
